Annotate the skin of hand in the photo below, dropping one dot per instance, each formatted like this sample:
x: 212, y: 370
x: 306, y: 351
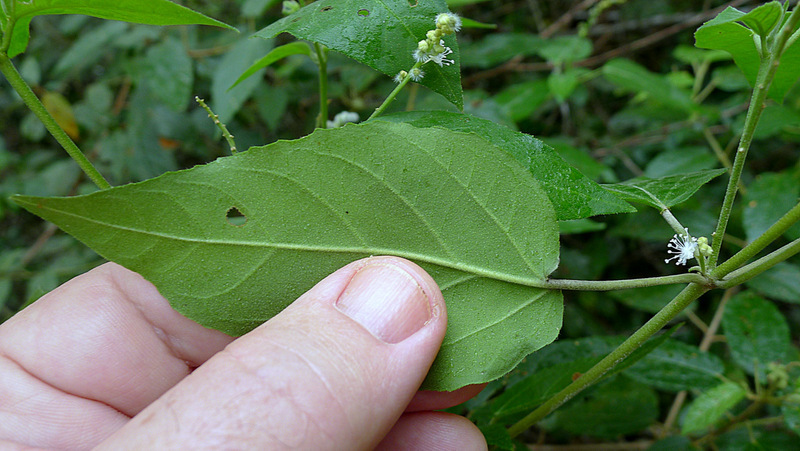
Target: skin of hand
x: 104, y: 361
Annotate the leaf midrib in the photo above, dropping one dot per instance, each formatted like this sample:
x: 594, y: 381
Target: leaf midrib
x: 482, y: 272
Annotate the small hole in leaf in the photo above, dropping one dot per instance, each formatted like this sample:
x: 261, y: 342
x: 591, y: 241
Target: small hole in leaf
x: 413, y: 3
x: 363, y: 12
x: 327, y: 8
x: 235, y: 217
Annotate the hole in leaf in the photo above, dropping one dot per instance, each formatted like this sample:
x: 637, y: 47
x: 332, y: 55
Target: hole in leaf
x: 413, y: 3
x: 235, y: 217
x: 327, y: 8
x: 363, y: 12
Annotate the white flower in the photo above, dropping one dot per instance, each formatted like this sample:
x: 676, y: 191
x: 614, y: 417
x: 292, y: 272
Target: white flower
x: 400, y: 76
x: 343, y: 118
x: 448, y: 23
x: 682, y: 248
x: 432, y: 54
x: 416, y: 74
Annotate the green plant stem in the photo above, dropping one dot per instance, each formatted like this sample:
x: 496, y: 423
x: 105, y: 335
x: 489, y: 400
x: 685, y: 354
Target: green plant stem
x: 764, y: 263
x: 623, y: 284
x: 322, y: 62
x: 656, y: 323
x: 771, y: 234
x: 673, y: 222
x: 214, y: 117
x: 390, y: 98
x: 766, y: 73
x: 26, y: 93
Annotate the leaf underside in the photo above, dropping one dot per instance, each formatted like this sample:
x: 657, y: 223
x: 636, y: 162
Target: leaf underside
x: 573, y: 195
x: 463, y: 209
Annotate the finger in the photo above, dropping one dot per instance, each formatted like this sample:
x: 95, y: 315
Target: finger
x: 107, y: 336
x: 435, y: 400
x: 433, y: 431
x: 338, y: 366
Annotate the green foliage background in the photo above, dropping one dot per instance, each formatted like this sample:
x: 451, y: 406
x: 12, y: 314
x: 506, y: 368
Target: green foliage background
x: 625, y: 102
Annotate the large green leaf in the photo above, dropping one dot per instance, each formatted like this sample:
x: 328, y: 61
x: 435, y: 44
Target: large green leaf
x: 739, y: 34
x: 768, y: 198
x: 463, y: 209
x: 676, y: 366
x: 619, y: 407
x: 709, y: 407
x: 664, y: 192
x: 382, y: 34
x: 779, y: 282
x: 757, y: 332
x: 573, y: 195
x: 152, y: 12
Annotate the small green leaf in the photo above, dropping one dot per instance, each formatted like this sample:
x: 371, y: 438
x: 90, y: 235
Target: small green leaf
x: 463, y: 209
x: 522, y: 99
x: 680, y: 161
x: 676, y: 366
x: 779, y: 282
x: 757, y: 333
x: 562, y: 84
x: 573, y: 195
x: 710, y: 406
x: 225, y: 100
x: 791, y: 415
x: 152, y: 12
x: 632, y: 77
x: 382, y: 34
x: 499, y: 48
x: 565, y: 49
x: 169, y: 73
x: 276, y: 54
x: 724, y: 32
x: 663, y: 192
x: 89, y: 48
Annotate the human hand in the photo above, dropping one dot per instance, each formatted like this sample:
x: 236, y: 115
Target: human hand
x: 105, y: 361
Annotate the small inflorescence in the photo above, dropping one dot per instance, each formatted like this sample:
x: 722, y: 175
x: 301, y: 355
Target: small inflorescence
x: 433, y: 48
x: 682, y: 248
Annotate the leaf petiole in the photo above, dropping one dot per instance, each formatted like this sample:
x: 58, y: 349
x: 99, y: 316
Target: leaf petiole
x: 322, y: 63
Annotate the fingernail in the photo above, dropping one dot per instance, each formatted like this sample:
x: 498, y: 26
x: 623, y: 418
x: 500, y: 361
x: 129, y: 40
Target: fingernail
x: 387, y: 301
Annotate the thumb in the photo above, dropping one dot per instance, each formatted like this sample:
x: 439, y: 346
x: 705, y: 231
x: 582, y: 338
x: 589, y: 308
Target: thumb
x: 335, y: 369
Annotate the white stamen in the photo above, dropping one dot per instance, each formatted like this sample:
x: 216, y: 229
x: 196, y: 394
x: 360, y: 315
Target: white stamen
x: 682, y: 248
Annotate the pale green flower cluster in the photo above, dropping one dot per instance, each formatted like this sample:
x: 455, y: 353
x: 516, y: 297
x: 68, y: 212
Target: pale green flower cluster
x: 432, y: 48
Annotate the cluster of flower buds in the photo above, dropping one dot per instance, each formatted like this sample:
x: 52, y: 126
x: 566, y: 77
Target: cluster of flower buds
x: 432, y: 48
x: 415, y: 73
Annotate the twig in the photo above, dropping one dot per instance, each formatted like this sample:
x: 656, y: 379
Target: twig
x: 218, y: 123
